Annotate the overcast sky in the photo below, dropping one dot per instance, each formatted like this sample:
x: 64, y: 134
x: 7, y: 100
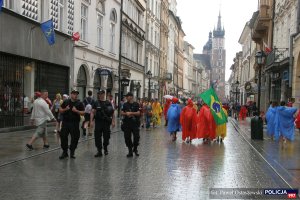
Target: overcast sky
x: 201, y: 16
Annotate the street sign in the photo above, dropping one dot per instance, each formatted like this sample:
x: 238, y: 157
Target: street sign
x: 125, y: 82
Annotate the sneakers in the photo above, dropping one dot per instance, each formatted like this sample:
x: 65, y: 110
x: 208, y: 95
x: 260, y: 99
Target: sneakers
x: 29, y: 147
x: 46, y: 146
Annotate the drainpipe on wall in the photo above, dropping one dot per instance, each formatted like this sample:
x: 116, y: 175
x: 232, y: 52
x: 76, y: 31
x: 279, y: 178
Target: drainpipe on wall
x: 291, y: 59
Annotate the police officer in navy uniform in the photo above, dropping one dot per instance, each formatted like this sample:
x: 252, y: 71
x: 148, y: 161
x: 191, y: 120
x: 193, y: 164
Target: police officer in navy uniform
x: 71, y: 110
x: 131, y: 123
x: 103, y: 113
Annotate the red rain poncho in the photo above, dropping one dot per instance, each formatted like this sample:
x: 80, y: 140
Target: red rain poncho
x: 243, y: 113
x: 206, y: 126
x: 188, y: 121
x: 166, y: 107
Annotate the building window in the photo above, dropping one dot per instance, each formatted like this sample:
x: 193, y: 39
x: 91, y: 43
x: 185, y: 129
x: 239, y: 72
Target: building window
x: 112, y: 37
x: 100, y: 30
x: 124, y: 39
x: 9, y: 4
x: 61, y: 14
x: 84, y: 22
x: 113, y: 21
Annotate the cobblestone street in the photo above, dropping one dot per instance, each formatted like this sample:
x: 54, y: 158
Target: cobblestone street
x: 164, y: 170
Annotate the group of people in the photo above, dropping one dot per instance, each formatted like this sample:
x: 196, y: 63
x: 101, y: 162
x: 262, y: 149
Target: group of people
x: 281, y: 120
x: 98, y: 114
x: 194, y: 122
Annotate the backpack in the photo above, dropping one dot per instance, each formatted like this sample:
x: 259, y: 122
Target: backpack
x: 88, y: 103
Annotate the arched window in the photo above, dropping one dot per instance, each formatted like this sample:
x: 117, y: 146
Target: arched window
x: 113, y: 15
x: 81, y: 81
x: 81, y: 77
x: 113, y: 21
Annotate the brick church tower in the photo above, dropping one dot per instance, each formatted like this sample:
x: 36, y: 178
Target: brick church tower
x: 218, y: 60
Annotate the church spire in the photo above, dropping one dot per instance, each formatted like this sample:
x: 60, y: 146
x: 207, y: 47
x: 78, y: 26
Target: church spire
x: 219, y: 27
x: 219, y: 32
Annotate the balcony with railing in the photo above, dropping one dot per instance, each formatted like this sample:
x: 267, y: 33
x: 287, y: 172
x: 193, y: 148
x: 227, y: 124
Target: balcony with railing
x: 262, y: 20
x: 277, y: 57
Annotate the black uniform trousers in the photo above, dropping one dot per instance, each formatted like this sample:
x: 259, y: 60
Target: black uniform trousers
x: 102, y: 129
x: 128, y: 132
x: 71, y: 128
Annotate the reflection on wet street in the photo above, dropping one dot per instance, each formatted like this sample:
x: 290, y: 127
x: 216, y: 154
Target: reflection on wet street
x: 164, y: 169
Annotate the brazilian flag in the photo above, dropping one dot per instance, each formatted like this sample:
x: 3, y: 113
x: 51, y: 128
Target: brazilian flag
x: 211, y: 99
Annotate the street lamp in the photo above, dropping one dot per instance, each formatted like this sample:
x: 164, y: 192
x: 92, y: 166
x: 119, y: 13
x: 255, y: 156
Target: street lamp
x: 149, y: 75
x: 236, y: 86
x: 260, y: 57
x: 257, y: 122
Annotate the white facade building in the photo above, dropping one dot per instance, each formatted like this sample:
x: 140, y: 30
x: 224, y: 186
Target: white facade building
x: 96, y: 53
x: 248, y: 60
x: 133, y: 46
x: 152, y: 51
x: 190, y: 71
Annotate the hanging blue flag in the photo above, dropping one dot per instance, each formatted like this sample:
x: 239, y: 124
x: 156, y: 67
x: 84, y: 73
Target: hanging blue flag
x: 48, y: 30
x: 1, y: 4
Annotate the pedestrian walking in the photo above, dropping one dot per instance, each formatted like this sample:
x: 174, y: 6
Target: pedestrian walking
x: 147, y: 114
x: 130, y: 125
x: 243, y: 113
x: 165, y: 110
x: 188, y: 121
x: 157, y: 111
x: 39, y: 116
x: 103, y: 113
x: 88, y: 104
x: 174, y: 118
x: 221, y: 130
x: 284, y: 122
x: 270, y: 118
x: 206, y: 126
x: 71, y: 110
x: 55, y: 110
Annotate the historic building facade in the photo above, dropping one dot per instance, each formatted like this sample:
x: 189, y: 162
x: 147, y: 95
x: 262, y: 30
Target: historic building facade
x: 247, y: 78
x: 152, y: 47
x: 164, y: 76
x: 27, y: 62
x: 96, y: 53
x: 133, y: 47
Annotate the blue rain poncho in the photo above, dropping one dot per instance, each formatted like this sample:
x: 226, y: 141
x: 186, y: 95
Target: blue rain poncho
x: 173, y: 118
x: 284, y: 123
x: 270, y: 116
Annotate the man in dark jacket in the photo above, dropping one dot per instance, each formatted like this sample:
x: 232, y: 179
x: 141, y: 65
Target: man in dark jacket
x: 103, y: 113
x: 71, y: 110
x: 131, y: 123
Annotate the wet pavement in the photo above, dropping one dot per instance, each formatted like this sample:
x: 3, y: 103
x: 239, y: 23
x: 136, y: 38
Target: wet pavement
x: 164, y: 169
x: 283, y: 157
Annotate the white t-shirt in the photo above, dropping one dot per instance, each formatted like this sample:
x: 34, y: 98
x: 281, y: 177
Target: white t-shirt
x: 41, y: 112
